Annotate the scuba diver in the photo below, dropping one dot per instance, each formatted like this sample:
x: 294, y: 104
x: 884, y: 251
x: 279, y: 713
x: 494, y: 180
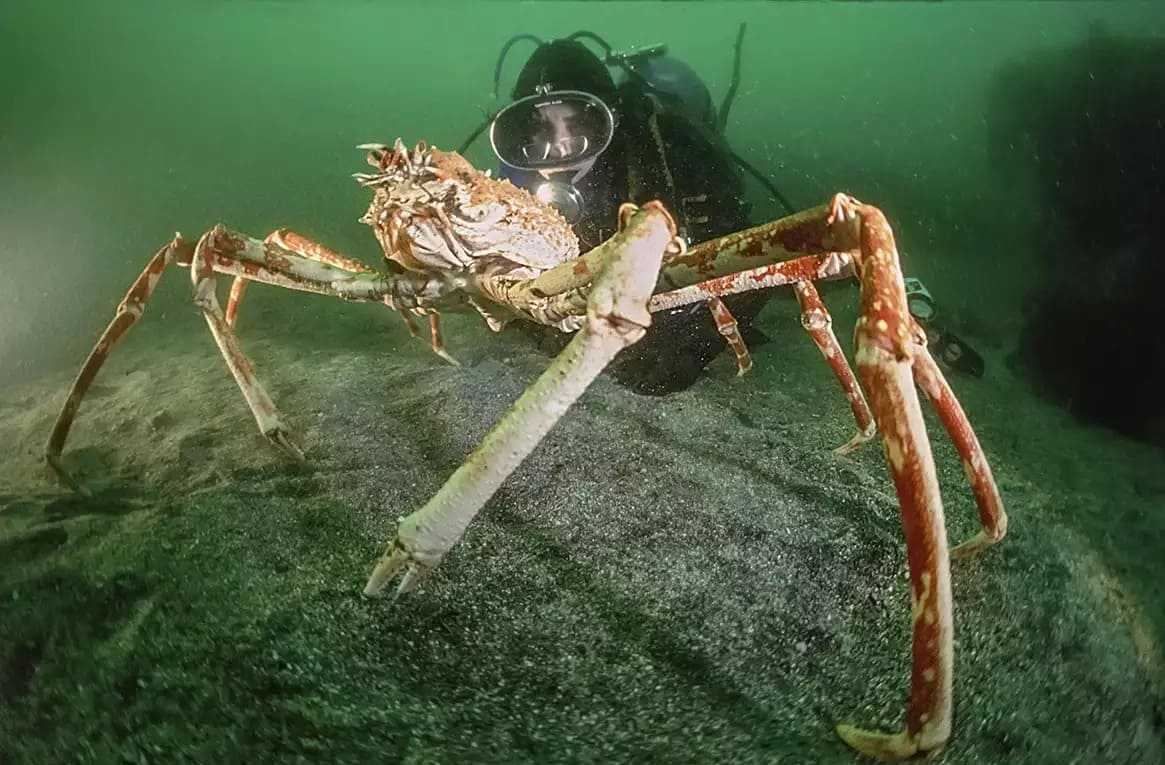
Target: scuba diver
x: 585, y: 133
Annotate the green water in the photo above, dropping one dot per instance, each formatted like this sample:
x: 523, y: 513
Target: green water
x: 622, y: 599
x: 123, y: 122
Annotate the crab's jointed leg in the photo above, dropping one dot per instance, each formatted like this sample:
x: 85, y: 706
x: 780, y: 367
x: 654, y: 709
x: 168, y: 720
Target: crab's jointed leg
x: 991, y: 514
x: 298, y: 244
x: 437, y: 341
x: 786, y: 251
x: 890, y: 358
x: 307, y: 268
x: 617, y: 316
x: 815, y: 319
x: 235, y: 299
x: 899, y: 418
x: 129, y: 310
x: 202, y: 273
x: 726, y: 324
x: 818, y: 323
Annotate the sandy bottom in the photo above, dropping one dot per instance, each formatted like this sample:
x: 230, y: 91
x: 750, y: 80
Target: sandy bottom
x: 695, y: 578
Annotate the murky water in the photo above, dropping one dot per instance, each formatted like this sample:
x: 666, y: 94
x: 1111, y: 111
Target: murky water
x: 690, y: 577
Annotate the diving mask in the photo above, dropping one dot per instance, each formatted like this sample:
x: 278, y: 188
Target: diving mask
x: 552, y: 131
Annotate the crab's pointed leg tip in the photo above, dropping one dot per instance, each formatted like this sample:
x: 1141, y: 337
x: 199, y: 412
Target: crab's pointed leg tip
x: 972, y: 546
x: 447, y: 357
x: 887, y: 747
x: 855, y: 443
x: 390, y: 564
x: 279, y: 438
x: 371, y: 147
x: 67, y: 477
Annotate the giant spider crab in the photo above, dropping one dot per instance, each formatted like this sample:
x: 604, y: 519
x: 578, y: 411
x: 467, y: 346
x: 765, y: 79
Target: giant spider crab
x: 454, y: 237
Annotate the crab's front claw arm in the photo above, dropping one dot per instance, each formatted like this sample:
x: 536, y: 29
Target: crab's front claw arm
x: 617, y: 316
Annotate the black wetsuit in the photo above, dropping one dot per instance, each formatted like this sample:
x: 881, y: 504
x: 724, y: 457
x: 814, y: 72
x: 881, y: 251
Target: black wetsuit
x: 658, y: 153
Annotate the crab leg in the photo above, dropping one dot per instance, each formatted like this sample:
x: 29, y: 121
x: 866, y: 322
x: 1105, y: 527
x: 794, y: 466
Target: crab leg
x: 616, y: 317
x: 238, y: 289
x: 284, y: 258
x: 129, y: 310
x: 300, y: 245
x: 786, y: 240
x: 313, y: 250
x: 410, y: 324
x: 223, y: 251
x: 437, y: 340
x: 726, y: 324
x: 886, y: 358
x: 782, y: 243
x: 800, y: 272
x: 991, y: 514
x: 273, y: 263
x: 202, y: 272
x: 899, y: 417
x: 797, y: 247
x: 819, y: 324
x: 819, y: 267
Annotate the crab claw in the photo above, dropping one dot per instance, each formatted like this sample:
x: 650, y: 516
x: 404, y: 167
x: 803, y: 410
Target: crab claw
x: 617, y: 316
x: 395, y: 560
x: 422, y: 539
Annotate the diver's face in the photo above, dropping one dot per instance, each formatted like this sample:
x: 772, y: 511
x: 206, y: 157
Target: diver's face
x: 560, y: 136
x: 552, y: 132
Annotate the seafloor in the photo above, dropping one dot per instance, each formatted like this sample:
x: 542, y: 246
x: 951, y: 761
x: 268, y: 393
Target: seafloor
x: 695, y: 578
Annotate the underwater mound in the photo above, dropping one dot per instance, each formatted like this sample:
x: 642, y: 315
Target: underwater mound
x: 688, y: 578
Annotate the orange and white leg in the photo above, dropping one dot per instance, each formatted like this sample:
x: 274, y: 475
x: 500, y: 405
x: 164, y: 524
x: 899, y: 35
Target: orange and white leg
x: 313, y: 250
x: 238, y: 289
x: 899, y: 417
x: 991, y: 514
x: 202, y: 272
x: 290, y: 241
x: 818, y: 323
x: 726, y: 324
x: 436, y: 341
x: 247, y: 259
x: 816, y: 267
x: 410, y: 324
x: 129, y: 310
x: 285, y: 259
x: 800, y: 272
x: 890, y: 359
